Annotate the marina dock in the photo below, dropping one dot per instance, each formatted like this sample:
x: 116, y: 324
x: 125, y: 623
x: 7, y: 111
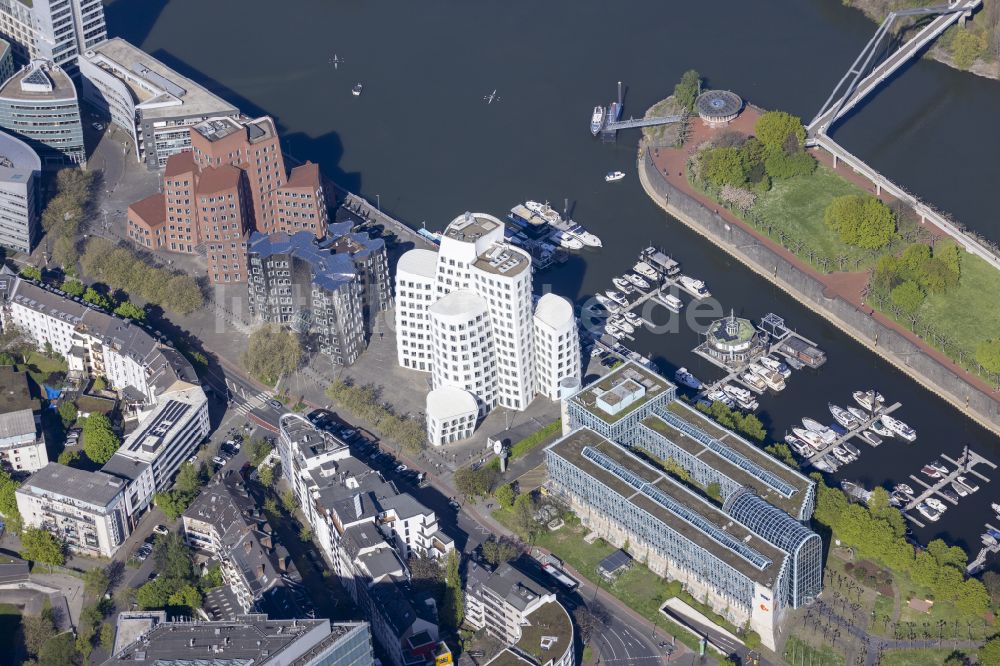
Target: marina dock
x: 611, y: 122
x: 977, y: 564
x: 961, y: 467
x: 814, y: 458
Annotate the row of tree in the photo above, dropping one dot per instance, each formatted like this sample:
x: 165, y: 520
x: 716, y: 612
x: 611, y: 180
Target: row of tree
x: 745, y: 424
x: 121, y: 268
x: 365, y: 402
x: 63, y: 214
x: 876, y: 532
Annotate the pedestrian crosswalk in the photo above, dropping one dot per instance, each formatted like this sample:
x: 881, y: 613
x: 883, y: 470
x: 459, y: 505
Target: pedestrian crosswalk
x: 253, y: 402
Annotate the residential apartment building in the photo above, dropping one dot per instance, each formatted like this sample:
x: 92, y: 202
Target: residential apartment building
x: 22, y: 442
x: 150, y: 101
x: 466, y: 315
x: 56, y: 30
x: 522, y: 615
x: 328, y: 290
x: 366, y: 530
x: 157, y: 386
x: 232, y: 182
x: 85, y: 510
x: 38, y: 105
x: 226, y: 523
x: 148, y: 637
x: 20, y: 171
x: 742, y: 543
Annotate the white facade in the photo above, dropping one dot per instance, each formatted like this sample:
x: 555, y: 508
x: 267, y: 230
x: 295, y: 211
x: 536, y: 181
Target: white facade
x: 19, y: 210
x: 415, y: 292
x: 56, y: 30
x: 22, y: 444
x: 474, y: 315
x: 452, y: 415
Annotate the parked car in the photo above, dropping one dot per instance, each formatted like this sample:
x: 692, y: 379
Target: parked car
x: 401, y: 468
x: 193, y: 459
x: 219, y: 461
x: 97, y: 126
x: 455, y: 505
x: 275, y: 404
x: 161, y: 529
x: 348, y: 433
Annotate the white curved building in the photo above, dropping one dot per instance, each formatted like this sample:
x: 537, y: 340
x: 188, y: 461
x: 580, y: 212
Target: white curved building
x: 465, y: 314
x: 451, y: 415
x: 415, y: 280
x: 557, y: 345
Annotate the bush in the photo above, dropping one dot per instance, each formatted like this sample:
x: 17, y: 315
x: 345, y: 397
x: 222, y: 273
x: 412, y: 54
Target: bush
x: 774, y: 128
x: 861, y: 221
x: 781, y: 166
x: 534, y: 439
x: 907, y: 296
x: 364, y: 402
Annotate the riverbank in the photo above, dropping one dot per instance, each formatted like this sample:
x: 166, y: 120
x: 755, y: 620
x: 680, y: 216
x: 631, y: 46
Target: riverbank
x: 831, y: 296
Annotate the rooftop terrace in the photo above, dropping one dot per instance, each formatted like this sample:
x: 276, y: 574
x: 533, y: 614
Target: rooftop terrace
x: 627, y: 376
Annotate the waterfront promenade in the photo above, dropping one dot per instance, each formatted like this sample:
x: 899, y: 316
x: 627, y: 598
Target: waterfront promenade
x: 837, y: 296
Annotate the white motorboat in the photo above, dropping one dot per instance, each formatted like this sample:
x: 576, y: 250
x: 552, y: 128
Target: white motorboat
x: 633, y: 318
x: 566, y: 241
x: 826, y: 435
x: 813, y: 425
x: 574, y: 229
x: 637, y: 280
x: 683, y: 376
x: 695, y: 286
x: 853, y: 450
x: 617, y: 297
x: 737, y: 393
x: 860, y: 414
x: 597, y: 120
x: 774, y: 381
x: 870, y: 437
x: 612, y: 176
x: 870, y: 400
x: 617, y: 335
x: 959, y: 488
x: 811, y: 438
x: 879, y: 428
x: 720, y: 396
x: 931, y: 471
x: 645, y: 270
x: 927, y: 512
x: 936, y: 504
x: 904, y: 488
x: 824, y: 464
x: 996, y: 507
x: 843, y: 417
x: 968, y: 484
x: 608, y: 304
x: 775, y: 365
x: 939, y: 467
x: 899, y: 428
x: 753, y: 380
x: 842, y: 455
x: 624, y: 325
x: 672, y: 303
x: 356, y: 90
x: 621, y: 283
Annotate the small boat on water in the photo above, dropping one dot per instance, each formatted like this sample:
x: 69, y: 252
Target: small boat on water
x: 842, y: 455
x: 612, y: 176
x: 637, y: 280
x: 672, y: 303
x: 996, y: 507
x: 753, y: 380
x: 356, y: 90
x: 720, y: 396
x: 939, y: 467
x: 645, y: 270
x: 624, y: 325
x: 774, y: 365
x: 632, y: 318
x: 936, y: 504
x: 794, y: 363
x: 988, y: 539
x: 695, y: 286
x: 621, y: 283
x: 871, y: 438
x: 928, y: 512
x: 617, y: 297
x: 870, y: 400
x: 685, y: 378
x: 879, y: 428
x: 931, y: 471
x: 566, y: 241
x: 898, y: 499
x: 968, y: 484
x: 800, y: 447
x: 858, y: 413
x: 608, y: 304
x: 842, y: 416
x: 597, y: 120
x: 899, y: 428
x: 825, y: 433
x: 774, y: 381
x: 826, y: 464
x: 959, y: 489
x: 853, y: 450
x: 950, y: 494
x: 741, y: 396
x: 811, y: 438
x: 904, y: 488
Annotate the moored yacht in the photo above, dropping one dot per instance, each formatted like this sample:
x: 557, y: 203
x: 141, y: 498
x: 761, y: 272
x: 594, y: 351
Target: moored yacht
x: 720, y: 396
x: 968, y: 484
x: 936, y: 504
x: 671, y: 302
x: 632, y: 318
x: 753, y: 380
x: 927, y: 512
x: 683, y: 376
x: 566, y: 241
x: 612, y: 176
x: 904, y: 488
x: 774, y: 365
x: 811, y: 438
x: 870, y: 400
x: 931, y: 471
x: 624, y: 325
x: 860, y: 414
x: 879, y: 428
x: 621, y: 283
x: 899, y: 428
x: 871, y: 437
x: 597, y: 120
x: 617, y: 297
x: 695, y: 286
x: 774, y: 381
x: 637, y: 280
x: 741, y: 396
x: 645, y: 270
x: 842, y: 416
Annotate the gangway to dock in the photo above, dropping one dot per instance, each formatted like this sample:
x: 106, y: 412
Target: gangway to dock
x: 611, y: 126
x: 979, y: 563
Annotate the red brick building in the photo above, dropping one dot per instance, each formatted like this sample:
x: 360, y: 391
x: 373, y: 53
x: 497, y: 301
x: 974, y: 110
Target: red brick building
x: 231, y: 183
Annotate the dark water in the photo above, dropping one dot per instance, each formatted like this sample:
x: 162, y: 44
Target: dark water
x: 422, y: 141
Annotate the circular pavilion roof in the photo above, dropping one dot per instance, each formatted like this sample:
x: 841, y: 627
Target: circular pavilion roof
x: 716, y: 106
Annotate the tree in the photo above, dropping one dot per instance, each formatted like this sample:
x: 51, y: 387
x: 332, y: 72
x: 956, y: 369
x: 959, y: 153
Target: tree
x: 265, y: 474
x: 38, y: 545
x: 272, y: 352
x: 171, y: 503
x: 16, y: 341
x: 99, y: 440
x: 187, y: 595
x: 257, y: 450
x: 154, y: 594
x: 67, y: 412
x: 190, y: 478
x: 173, y: 557
x: 73, y: 287
x: 212, y: 578
x: 686, y: 90
x: 59, y: 651
x: 305, y: 534
x: 967, y: 47
x: 861, y: 221
x: 497, y: 551
x: 524, y: 516
x: 505, y: 495
x: 69, y: 457
x: 94, y: 297
x: 289, y: 501
x: 476, y: 482
x: 908, y: 296
x: 988, y: 354
x: 782, y: 166
x: 972, y: 598
x: 107, y: 636
x: 991, y: 581
x: 99, y: 384
x: 183, y: 295
x: 989, y: 654
x: 96, y: 581
x: 590, y: 620
x: 37, y: 630
x: 453, y: 608
x: 774, y: 127
x: 724, y: 166
x: 128, y: 310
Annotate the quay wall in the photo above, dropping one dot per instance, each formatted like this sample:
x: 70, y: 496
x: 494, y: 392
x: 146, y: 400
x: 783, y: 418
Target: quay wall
x: 876, y: 336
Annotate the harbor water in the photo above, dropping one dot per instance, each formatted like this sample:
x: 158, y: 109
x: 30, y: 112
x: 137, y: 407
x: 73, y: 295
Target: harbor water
x: 423, y: 143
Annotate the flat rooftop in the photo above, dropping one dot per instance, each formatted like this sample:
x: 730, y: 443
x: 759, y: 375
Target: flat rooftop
x: 149, y: 79
x: 503, y: 259
x: 39, y: 81
x: 95, y: 488
x: 548, y: 633
x: 671, y: 504
x: 654, y: 385
x: 472, y: 226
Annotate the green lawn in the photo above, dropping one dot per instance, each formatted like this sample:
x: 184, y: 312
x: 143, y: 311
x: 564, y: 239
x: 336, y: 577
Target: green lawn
x: 928, y: 657
x: 965, y: 313
x: 796, y: 207
x: 800, y: 653
x: 40, y: 366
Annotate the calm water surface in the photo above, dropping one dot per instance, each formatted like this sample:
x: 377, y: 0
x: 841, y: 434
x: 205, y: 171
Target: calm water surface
x: 422, y: 141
